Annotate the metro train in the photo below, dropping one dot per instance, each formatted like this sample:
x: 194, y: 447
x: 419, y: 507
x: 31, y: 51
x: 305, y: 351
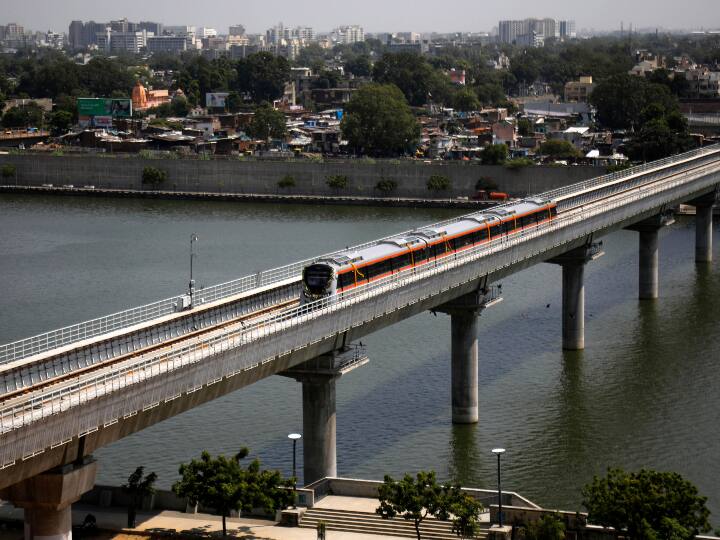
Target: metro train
x: 352, y: 268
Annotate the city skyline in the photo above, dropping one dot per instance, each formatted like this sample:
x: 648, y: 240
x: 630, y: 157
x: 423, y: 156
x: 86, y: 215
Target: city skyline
x: 461, y: 16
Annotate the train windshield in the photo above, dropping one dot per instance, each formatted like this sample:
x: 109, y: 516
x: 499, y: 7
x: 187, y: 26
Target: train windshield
x: 317, y: 277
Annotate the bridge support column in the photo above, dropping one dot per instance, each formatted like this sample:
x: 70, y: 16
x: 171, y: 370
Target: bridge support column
x: 648, y: 278
x: 703, y: 225
x: 573, y: 294
x: 47, y: 500
x: 318, y: 378
x: 464, y: 325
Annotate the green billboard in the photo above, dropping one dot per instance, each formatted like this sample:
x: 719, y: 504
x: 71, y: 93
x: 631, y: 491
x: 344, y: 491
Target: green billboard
x: 117, y: 108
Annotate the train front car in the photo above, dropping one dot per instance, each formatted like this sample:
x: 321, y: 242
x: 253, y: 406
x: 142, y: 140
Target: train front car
x: 319, y: 281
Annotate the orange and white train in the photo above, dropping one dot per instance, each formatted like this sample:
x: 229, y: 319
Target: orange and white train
x: 353, y: 268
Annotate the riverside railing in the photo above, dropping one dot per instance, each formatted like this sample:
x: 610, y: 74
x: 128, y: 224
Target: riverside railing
x: 295, y: 328
x: 127, y: 318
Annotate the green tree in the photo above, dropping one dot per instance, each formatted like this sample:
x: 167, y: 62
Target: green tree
x: 223, y: 484
x: 465, y: 100
x: 286, y: 181
x: 659, y: 138
x: 525, y: 127
x: 29, y: 115
x: 438, y: 182
x: 558, y: 149
x: 649, y: 505
x: 8, y: 170
x: 415, y: 77
x: 153, y: 176
x: 180, y: 106
x: 378, y: 122
x: 548, y: 527
x: 60, y: 121
x: 233, y: 103
x: 495, y: 154
x: 360, y: 65
x: 413, y: 499
x: 267, y: 122
x: 337, y: 181
x: 263, y: 75
x: 386, y: 185
x: 138, y: 488
x: 465, y: 511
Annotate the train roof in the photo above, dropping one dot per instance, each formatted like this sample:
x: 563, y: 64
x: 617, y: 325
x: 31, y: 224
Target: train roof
x: 430, y: 234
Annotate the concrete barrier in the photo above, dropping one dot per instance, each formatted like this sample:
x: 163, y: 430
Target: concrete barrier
x: 310, y: 177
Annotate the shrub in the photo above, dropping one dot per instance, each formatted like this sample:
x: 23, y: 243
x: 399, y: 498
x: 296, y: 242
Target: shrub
x: 519, y: 163
x: 548, y: 527
x: 8, y: 170
x: 337, y: 181
x: 153, y: 176
x: 486, y: 183
x: 286, y: 181
x: 438, y: 183
x: 386, y: 185
x: 617, y: 168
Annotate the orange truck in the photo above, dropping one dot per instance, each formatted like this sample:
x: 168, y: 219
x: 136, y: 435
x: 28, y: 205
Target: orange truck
x: 483, y: 195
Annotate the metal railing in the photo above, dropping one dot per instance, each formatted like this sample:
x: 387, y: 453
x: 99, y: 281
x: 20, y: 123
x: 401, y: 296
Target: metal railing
x: 85, y: 330
x: 298, y: 327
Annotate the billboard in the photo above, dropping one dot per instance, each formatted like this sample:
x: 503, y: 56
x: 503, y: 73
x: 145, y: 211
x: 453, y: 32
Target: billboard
x: 216, y: 100
x: 117, y: 108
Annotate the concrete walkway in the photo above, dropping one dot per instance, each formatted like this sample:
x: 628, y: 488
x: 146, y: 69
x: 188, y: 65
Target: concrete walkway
x: 164, y: 523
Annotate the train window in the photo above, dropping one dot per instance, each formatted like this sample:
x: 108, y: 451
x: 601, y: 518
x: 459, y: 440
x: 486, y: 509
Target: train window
x: 346, y: 279
x: 420, y: 255
x: 482, y: 234
x: 495, y: 231
x: 510, y: 225
x: 463, y: 241
x: 553, y: 211
x: 438, y: 249
x: 378, y: 269
x: 401, y: 261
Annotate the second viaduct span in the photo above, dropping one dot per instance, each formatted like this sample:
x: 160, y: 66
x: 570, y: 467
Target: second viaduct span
x: 66, y: 393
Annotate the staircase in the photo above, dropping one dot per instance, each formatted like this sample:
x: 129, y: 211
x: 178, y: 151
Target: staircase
x: 367, y: 523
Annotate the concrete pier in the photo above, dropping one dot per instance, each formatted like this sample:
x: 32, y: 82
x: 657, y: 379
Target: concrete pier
x: 464, y: 325
x: 648, y: 264
x: 319, y: 428
x: 703, y: 233
x: 464, y: 370
x: 47, y: 499
x: 319, y: 435
x: 703, y: 225
x: 573, y: 294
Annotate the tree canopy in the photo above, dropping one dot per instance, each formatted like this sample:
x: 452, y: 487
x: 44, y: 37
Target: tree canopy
x: 138, y: 487
x: 223, y: 484
x: 379, y: 121
x: 413, y: 75
x: 267, y: 122
x: 649, y: 505
x: 263, y: 75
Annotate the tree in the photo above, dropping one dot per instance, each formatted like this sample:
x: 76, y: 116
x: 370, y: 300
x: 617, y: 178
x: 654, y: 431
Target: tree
x: 154, y: 176
x: 465, y: 511
x: 659, y: 138
x: 558, y: 149
x: 495, y: 154
x: 413, y: 75
x: 29, y: 115
x: 60, y: 121
x: 413, y: 499
x: 648, y: 504
x: 137, y: 488
x: 548, y: 527
x: 337, y: 181
x: 223, y: 484
x: 524, y: 127
x: 267, y: 122
x: 360, y: 65
x: 180, y: 106
x: 465, y: 100
x: 233, y: 102
x: 263, y: 75
x: 438, y: 182
x: 378, y: 121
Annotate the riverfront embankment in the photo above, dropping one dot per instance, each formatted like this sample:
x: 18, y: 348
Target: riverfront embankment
x: 407, y: 179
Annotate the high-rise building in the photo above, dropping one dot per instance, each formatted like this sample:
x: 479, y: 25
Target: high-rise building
x: 149, y: 26
x: 76, y: 36
x: 169, y: 44
x: 567, y: 29
x: 348, y: 34
x: 532, y: 32
x: 205, y: 32
x: 236, y: 30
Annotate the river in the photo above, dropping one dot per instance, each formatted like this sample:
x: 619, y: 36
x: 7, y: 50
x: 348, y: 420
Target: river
x: 644, y: 393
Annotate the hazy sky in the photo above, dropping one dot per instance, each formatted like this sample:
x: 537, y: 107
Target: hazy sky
x: 374, y: 15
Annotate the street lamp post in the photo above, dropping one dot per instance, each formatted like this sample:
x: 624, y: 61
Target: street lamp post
x: 498, y: 452
x: 294, y: 437
x: 191, y: 286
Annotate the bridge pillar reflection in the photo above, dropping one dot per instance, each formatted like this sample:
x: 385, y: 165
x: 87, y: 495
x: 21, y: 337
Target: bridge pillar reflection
x: 573, y: 293
x: 47, y: 499
x: 648, y: 268
x: 703, y: 226
x: 464, y: 325
x: 318, y: 378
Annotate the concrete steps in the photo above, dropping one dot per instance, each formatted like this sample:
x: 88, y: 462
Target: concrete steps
x: 368, y: 523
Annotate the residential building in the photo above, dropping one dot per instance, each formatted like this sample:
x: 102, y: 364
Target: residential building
x: 151, y: 27
x: 534, y: 32
x: 348, y: 34
x: 567, y: 30
x: 205, y: 32
x: 132, y: 42
x: 703, y: 82
x: 579, y: 90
